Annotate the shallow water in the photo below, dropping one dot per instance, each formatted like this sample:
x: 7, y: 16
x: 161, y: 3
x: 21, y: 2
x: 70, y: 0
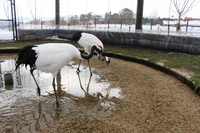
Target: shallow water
x: 22, y: 110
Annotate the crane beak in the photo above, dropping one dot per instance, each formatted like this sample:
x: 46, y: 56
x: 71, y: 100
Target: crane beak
x: 100, y: 57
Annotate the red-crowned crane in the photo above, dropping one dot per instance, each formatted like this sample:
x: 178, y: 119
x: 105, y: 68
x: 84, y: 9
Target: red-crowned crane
x: 50, y: 58
x: 87, y: 41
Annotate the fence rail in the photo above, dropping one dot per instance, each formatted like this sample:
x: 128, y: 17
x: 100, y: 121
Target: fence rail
x: 189, y: 28
x: 154, y: 26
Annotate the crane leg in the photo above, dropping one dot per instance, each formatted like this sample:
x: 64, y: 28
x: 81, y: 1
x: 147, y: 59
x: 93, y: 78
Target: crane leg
x: 80, y: 82
x: 89, y: 83
x: 54, y: 88
x: 90, y: 68
x: 90, y: 76
x: 78, y: 70
x: 38, y: 88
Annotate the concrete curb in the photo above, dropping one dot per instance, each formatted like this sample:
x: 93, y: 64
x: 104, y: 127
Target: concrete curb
x: 166, y: 42
x: 9, y: 50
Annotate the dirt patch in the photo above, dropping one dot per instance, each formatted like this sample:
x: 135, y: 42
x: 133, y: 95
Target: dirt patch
x: 153, y: 102
x: 7, y: 56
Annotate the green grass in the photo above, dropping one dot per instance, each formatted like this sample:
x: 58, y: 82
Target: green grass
x: 20, y: 44
x: 190, y: 62
x: 185, y: 61
x: 196, y: 80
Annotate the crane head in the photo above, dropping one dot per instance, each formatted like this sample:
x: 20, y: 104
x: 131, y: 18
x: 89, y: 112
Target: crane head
x: 99, y: 52
x: 107, y: 59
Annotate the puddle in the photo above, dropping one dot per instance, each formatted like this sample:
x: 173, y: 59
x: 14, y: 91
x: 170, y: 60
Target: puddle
x: 22, y: 110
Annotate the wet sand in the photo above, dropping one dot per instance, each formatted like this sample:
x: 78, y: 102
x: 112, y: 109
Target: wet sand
x: 151, y: 101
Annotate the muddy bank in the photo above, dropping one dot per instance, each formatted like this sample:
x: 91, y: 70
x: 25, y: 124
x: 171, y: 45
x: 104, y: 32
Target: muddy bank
x: 151, y: 101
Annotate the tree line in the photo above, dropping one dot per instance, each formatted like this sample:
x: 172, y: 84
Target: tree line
x: 125, y: 16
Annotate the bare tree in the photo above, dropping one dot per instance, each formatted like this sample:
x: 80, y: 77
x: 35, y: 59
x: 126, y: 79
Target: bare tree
x: 153, y: 17
x: 182, y: 8
x: 154, y: 14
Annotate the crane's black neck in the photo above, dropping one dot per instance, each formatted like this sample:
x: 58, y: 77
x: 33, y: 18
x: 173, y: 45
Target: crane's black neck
x: 87, y: 57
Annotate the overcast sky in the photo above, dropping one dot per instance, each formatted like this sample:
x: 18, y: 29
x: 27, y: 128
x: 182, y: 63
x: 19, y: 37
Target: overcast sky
x: 46, y: 8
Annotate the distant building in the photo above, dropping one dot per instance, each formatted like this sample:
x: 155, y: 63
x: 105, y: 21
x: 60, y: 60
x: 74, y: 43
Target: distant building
x: 194, y: 22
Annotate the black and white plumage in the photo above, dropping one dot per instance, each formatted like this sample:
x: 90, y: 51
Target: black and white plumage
x: 50, y: 58
x: 87, y: 41
x: 107, y: 59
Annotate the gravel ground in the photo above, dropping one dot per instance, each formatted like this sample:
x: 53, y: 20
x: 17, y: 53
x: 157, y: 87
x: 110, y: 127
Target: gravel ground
x: 152, y: 102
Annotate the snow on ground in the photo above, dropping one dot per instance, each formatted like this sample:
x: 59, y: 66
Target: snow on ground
x: 5, y: 34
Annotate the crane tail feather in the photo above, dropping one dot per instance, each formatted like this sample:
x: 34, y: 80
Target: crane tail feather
x: 26, y: 56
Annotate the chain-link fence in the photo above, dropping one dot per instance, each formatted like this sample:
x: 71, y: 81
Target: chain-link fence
x: 165, y: 27
x: 6, y: 31
x: 8, y: 24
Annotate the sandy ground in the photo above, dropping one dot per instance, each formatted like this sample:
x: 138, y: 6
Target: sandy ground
x: 152, y: 102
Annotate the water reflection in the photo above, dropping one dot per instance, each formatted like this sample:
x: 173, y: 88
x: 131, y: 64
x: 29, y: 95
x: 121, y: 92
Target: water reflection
x: 22, y: 110
x: 66, y: 81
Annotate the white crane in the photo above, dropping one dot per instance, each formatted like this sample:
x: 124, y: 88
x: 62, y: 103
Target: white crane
x: 87, y: 41
x: 50, y: 58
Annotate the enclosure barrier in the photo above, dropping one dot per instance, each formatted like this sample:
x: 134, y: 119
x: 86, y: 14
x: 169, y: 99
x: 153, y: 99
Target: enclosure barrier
x: 164, y: 42
x: 24, y: 35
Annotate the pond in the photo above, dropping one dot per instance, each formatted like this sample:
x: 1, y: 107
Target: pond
x: 22, y: 110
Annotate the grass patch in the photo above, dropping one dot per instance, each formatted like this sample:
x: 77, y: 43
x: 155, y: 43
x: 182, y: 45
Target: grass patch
x: 20, y: 44
x: 171, y: 64
x: 196, y: 80
x: 153, y: 59
x: 187, y: 61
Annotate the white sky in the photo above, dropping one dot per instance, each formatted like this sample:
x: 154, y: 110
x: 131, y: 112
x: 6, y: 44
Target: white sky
x: 46, y: 8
